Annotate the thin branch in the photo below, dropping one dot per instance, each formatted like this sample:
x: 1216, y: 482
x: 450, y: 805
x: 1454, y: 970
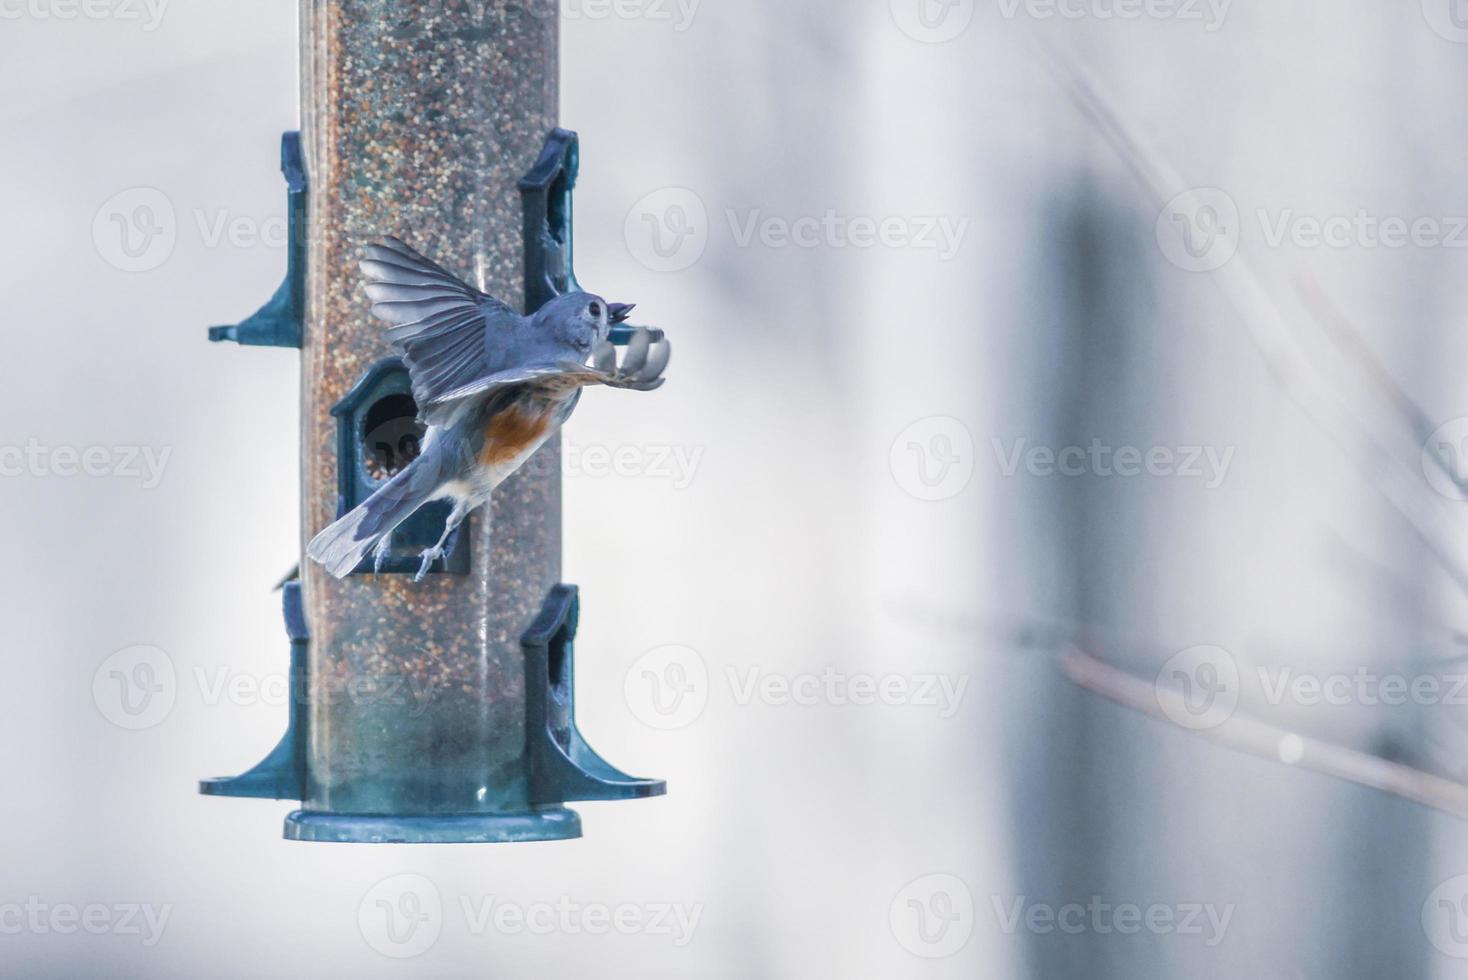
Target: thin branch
x: 1349, y: 341
x: 1064, y: 643
x: 1269, y: 329
x: 1270, y: 741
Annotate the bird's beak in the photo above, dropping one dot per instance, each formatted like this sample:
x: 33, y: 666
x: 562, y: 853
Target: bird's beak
x: 619, y: 312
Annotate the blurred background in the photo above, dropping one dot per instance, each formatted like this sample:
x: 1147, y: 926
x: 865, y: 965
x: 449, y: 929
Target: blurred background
x: 1025, y: 348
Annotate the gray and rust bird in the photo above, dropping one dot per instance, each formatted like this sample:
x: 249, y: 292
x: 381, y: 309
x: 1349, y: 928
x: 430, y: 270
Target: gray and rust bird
x: 491, y: 387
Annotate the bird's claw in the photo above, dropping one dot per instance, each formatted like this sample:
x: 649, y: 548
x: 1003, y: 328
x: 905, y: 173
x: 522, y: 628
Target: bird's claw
x: 429, y: 557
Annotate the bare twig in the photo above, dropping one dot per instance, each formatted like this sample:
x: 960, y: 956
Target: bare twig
x: 1352, y: 345
x: 1270, y: 741
x: 1066, y: 642
x: 1270, y: 331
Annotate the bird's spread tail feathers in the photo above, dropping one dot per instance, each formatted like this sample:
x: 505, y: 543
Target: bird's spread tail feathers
x: 341, y: 548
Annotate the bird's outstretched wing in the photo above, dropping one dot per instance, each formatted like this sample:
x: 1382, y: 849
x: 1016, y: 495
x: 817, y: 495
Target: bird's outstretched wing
x: 440, y: 323
x: 641, y: 369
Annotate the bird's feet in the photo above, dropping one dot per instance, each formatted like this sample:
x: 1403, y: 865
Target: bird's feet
x: 429, y: 557
x: 379, y: 555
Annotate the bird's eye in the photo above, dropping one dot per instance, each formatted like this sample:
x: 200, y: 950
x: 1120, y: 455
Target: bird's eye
x: 595, y: 310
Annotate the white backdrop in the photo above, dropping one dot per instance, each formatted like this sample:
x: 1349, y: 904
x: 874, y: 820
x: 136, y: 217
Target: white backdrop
x: 893, y: 256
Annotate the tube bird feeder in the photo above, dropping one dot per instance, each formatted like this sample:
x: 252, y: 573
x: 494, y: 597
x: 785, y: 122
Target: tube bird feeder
x: 439, y: 711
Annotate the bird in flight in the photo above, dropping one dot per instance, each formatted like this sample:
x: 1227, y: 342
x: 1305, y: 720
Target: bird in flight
x: 491, y: 387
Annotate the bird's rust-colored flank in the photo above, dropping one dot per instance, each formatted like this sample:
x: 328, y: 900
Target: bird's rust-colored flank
x: 509, y: 432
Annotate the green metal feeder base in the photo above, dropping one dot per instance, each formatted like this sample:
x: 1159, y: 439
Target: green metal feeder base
x: 551, y: 823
